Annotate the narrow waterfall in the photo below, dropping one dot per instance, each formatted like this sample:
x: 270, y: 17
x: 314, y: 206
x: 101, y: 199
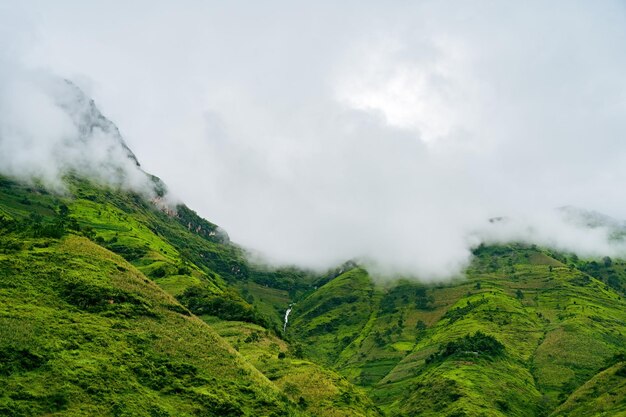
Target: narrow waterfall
x: 287, y: 318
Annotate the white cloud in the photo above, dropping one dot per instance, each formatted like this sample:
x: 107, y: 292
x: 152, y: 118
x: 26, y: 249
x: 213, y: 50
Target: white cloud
x: 49, y: 128
x: 317, y: 132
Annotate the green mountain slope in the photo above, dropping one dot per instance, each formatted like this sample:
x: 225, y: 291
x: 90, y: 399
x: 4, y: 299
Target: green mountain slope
x: 91, y: 286
x: 602, y: 395
x: 319, y: 391
x: 432, y: 350
x: 85, y: 333
x: 116, y: 305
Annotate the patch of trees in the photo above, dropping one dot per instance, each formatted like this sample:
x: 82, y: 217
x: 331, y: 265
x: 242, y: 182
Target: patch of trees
x: 38, y: 226
x: 606, y: 271
x: 289, y: 279
x: 226, y: 260
x: 325, y: 327
x: 491, y: 250
x: 477, y: 344
x: 227, y: 305
x: 94, y: 298
x: 404, y: 294
x: 329, y: 304
x: 460, y: 312
x: 493, y: 258
x: 130, y: 253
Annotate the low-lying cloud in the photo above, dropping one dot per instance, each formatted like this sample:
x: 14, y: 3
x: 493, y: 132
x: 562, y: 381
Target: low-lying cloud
x: 49, y: 128
x: 320, y: 132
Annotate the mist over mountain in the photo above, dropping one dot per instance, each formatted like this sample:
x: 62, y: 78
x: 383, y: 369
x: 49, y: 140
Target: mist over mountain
x: 424, y: 200
x: 49, y: 128
x: 391, y: 137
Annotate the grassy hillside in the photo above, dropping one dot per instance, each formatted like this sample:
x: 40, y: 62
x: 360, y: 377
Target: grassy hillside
x: 320, y: 391
x: 114, y: 306
x: 329, y: 319
x: 91, y: 320
x: 83, y: 332
x: 172, y: 246
x: 429, y: 350
x: 602, y: 395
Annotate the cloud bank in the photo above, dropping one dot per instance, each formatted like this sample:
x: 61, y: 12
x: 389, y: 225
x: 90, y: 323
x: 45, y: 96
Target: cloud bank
x: 316, y: 133
x: 49, y: 128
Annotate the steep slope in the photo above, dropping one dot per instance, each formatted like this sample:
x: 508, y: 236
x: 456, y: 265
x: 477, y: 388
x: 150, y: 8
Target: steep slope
x: 330, y: 318
x: 85, y: 333
x: 433, y: 350
x: 317, y: 390
x: 602, y: 395
x: 90, y: 253
x: 140, y: 348
x: 415, y: 348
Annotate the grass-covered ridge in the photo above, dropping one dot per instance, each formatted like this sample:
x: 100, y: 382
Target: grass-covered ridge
x: 110, y: 305
x: 85, y: 333
x: 521, y: 335
x: 91, y: 286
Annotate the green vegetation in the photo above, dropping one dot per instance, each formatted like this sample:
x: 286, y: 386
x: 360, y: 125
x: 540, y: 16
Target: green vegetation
x: 99, y: 292
x: 519, y: 336
x: 478, y: 344
x: 82, y: 332
x: 317, y: 390
x: 228, y: 305
x: 110, y: 305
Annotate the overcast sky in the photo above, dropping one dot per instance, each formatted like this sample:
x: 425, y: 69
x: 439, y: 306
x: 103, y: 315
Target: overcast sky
x: 319, y: 131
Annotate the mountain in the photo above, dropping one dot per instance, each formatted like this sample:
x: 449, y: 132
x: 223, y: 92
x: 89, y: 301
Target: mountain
x: 103, y: 300
x: 84, y: 114
x: 529, y: 332
x: 118, y: 302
